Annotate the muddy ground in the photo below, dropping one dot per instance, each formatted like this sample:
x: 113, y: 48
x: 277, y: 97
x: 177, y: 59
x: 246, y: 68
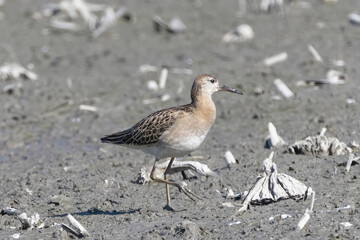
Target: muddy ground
x: 37, y: 145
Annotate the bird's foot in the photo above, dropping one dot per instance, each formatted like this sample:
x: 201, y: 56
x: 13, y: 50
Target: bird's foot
x: 168, y: 208
x: 182, y: 188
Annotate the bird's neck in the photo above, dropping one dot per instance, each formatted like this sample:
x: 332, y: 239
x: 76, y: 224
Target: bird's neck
x: 205, y: 107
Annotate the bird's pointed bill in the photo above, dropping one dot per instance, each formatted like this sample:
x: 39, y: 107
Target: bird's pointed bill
x: 229, y: 89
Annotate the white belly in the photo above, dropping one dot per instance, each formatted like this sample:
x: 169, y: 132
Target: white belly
x: 177, y: 147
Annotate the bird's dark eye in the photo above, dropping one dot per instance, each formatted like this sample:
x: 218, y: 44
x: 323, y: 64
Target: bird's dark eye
x: 212, y: 80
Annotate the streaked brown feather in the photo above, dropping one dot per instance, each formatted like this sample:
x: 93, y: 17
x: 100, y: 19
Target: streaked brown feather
x: 148, y: 130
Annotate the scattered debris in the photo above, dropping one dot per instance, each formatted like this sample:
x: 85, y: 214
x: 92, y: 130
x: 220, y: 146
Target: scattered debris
x: 258, y: 91
x: 350, y: 101
x: 65, y: 104
x: 216, y: 190
x: 64, y: 25
x: 66, y: 15
x: 60, y: 200
x: 110, y: 182
x: 229, y: 158
x: 346, y: 225
x: 174, y: 26
x: 354, y: 18
x: 285, y: 216
x: 267, y: 5
x: 29, y: 191
x: 347, y: 207
x: 9, y: 211
x: 228, y: 204
x: 11, y: 88
x: 350, y: 161
x: 15, y: 236
x: 27, y: 222
x: 88, y: 108
x: 338, y: 62
x: 109, y: 19
x: 275, y: 59
x: 79, y: 230
x: 163, y: 77
x: 320, y: 25
x: 354, y: 145
x: 333, y: 77
x: 319, y: 145
x: 273, y: 187
x: 152, y: 85
x: 14, y: 71
x: 315, y: 54
x: 283, y: 89
x: 30, y: 222
x: 274, y: 140
x: 322, y: 132
x: 230, y: 193
x: 177, y: 166
x: 234, y: 223
x: 146, y: 68
x: 276, y: 98
x: 242, y: 33
x: 305, y: 218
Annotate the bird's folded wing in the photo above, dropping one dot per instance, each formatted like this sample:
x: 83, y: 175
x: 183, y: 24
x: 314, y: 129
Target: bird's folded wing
x: 149, y: 129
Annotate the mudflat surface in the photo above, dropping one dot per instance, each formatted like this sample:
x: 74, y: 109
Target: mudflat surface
x: 37, y: 147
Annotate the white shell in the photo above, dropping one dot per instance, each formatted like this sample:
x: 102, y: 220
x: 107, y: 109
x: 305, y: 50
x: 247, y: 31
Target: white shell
x: 145, y: 68
x: 305, y: 218
x: 285, y: 216
x: 274, y: 140
x: 15, y: 236
x: 242, y: 33
x: 346, y: 225
x: 163, y: 77
x: 315, y: 54
x: 88, y: 108
x: 283, y: 89
x: 152, y: 85
x: 177, y: 26
x: 275, y: 59
x: 9, y: 211
x: 354, y: 18
x: 229, y: 158
x: 77, y: 225
x: 335, y: 77
x: 15, y: 71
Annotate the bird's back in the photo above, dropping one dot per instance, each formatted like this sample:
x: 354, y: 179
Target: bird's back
x: 149, y: 130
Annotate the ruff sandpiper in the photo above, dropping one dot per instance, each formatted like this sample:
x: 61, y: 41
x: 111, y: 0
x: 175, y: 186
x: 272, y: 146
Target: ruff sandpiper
x: 176, y: 131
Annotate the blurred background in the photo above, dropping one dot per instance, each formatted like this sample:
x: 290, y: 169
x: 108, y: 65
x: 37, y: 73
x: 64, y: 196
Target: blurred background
x: 72, y: 71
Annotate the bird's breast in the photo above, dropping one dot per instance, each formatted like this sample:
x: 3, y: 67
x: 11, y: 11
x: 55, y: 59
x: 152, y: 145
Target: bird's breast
x: 187, y: 133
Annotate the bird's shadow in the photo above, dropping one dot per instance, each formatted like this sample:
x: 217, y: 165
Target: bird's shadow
x: 95, y: 211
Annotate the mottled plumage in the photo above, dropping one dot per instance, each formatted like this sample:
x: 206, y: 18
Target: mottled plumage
x: 149, y: 129
x: 176, y: 131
